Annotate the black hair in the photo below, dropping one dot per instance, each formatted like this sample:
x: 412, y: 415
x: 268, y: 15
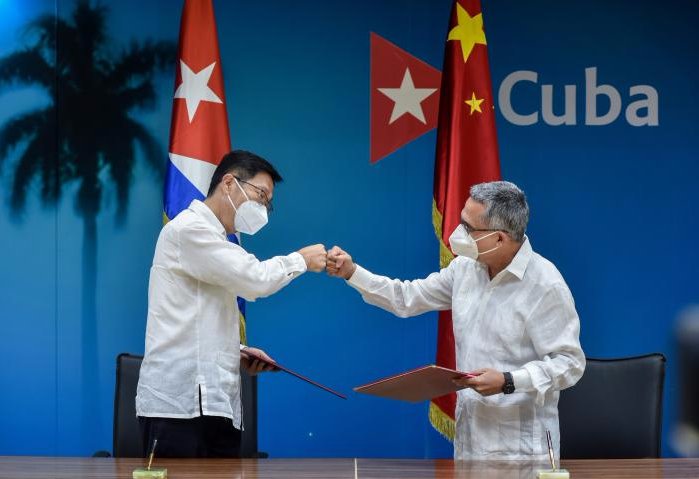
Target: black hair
x: 244, y: 165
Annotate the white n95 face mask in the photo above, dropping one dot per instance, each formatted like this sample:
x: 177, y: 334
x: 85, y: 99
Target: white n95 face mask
x: 250, y: 216
x: 463, y: 244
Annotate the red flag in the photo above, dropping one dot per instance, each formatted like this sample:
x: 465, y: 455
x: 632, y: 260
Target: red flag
x: 199, y: 120
x: 404, y: 97
x: 466, y: 155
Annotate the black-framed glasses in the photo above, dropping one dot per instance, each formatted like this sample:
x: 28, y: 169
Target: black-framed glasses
x: 263, y: 194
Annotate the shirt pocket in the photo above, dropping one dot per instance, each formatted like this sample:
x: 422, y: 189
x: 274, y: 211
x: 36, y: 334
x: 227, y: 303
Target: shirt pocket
x: 228, y: 368
x: 505, y: 333
x: 497, y: 427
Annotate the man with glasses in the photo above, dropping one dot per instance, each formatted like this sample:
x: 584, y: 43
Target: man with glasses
x: 188, y: 395
x: 514, y: 321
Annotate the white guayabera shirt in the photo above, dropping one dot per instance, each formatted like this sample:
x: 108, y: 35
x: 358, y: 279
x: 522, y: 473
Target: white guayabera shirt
x: 192, y: 359
x: 523, y: 321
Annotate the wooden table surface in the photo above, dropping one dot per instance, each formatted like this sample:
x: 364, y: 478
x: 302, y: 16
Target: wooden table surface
x: 26, y: 467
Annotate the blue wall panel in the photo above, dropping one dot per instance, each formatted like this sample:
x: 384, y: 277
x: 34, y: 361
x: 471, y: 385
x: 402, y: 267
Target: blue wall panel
x: 612, y: 207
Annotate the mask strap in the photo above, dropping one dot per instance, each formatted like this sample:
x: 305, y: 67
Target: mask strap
x: 231, y: 202
x: 490, y: 250
x: 482, y: 237
x: 241, y: 189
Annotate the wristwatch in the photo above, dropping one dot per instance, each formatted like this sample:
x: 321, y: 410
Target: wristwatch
x: 509, y: 386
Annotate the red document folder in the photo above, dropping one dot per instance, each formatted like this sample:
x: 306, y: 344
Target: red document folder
x: 416, y: 385
x: 278, y: 366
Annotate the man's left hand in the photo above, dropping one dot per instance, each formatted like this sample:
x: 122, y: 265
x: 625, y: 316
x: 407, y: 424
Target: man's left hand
x: 487, y: 383
x: 255, y: 366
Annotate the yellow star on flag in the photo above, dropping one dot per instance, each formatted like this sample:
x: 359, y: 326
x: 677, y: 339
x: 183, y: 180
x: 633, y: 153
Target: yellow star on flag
x: 475, y: 103
x: 469, y: 31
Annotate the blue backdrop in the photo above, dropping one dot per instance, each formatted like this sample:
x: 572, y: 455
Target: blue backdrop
x: 612, y: 206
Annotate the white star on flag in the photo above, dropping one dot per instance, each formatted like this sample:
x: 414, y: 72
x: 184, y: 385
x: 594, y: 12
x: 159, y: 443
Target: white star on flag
x: 407, y: 98
x: 195, y: 88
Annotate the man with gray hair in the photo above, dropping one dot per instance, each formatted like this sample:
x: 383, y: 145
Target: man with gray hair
x: 514, y: 320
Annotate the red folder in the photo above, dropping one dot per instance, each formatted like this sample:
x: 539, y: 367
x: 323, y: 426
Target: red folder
x: 277, y: 366
x: 416, y: 385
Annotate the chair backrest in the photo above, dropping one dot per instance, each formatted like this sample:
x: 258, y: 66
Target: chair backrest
x: 615, y: 410
x: 127, y: 434
x: 248, y: 396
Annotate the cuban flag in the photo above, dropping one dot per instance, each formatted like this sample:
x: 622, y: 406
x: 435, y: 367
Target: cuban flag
x: 199, y: 135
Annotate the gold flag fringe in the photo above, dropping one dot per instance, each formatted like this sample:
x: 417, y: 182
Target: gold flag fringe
x: 445, y: 255
x: 442, y: 422
x: 243, y: 330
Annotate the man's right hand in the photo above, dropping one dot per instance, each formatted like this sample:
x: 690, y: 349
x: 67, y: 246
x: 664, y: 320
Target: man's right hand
x: 315, y: 257
x: 340, y: 263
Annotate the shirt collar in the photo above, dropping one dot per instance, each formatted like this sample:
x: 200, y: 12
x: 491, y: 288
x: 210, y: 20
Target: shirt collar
x: 201, y: 209
x: 519, y: 263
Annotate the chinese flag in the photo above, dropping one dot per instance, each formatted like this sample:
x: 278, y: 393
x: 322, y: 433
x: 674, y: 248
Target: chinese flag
x: 467, y: 154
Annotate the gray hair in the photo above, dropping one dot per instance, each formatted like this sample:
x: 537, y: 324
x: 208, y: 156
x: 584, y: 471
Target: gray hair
x: 506, y: 207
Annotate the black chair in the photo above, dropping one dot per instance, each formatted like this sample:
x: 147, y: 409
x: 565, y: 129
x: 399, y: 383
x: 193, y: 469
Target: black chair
x: 685, y: 437
x: 127, y: 436
x: 615, y: 410
x: 126, y: 441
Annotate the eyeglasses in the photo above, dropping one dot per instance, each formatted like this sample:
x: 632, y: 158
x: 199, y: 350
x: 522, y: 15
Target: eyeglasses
x: 470, y: 229
x: 261, y: 192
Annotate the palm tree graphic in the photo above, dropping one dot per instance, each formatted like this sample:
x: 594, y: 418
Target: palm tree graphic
x: 85, y: 136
